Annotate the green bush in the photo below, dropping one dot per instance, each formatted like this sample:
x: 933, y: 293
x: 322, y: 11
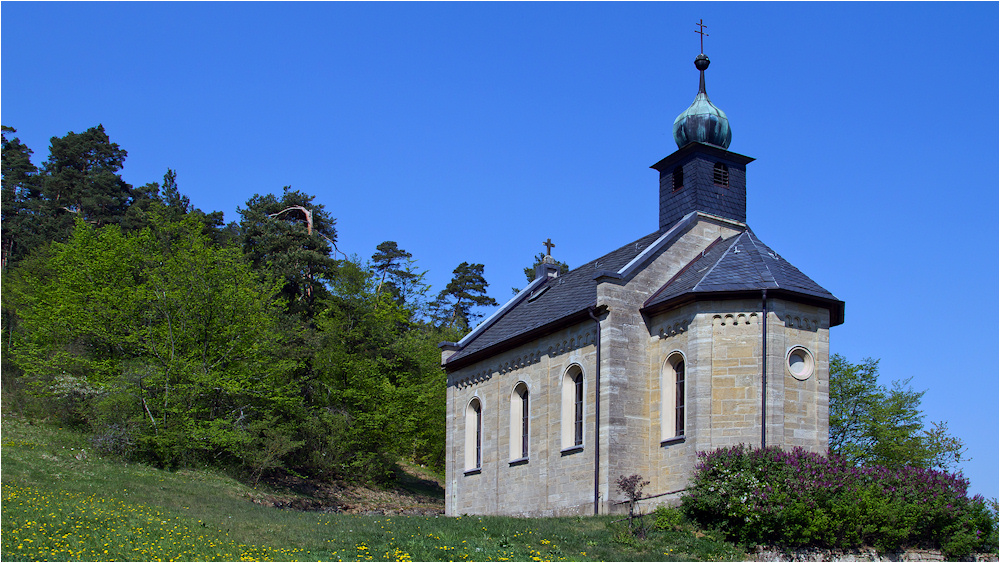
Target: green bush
x: 667, y: 518
x: 798, y: 498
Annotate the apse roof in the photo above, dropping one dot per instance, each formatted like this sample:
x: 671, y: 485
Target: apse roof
x: 738, y: 264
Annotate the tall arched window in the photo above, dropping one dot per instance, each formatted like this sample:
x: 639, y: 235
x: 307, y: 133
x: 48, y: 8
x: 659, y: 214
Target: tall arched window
x: 519, y: 422
x: 578, y: 410
x: 473, y: 435
x: 679, y: 398
x: 572, y: 408
x: 672, y: 398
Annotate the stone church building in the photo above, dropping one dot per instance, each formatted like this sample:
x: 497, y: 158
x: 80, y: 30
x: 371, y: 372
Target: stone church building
x: 694, y: 337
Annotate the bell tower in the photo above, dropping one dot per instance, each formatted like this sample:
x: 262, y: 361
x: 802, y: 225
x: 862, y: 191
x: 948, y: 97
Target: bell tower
x: 702, y: 175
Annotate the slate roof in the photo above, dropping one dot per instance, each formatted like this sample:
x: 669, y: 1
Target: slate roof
x: 738, y: 264
x: 733, y: 266
x: 558, y: 298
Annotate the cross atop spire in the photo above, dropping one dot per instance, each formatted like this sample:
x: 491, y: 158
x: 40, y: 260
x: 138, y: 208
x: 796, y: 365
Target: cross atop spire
x: 701, y: 31
x: 548, y: 246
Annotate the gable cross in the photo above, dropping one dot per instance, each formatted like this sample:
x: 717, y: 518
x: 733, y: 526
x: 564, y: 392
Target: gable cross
x: 701, y: 32
x: 548, y: 246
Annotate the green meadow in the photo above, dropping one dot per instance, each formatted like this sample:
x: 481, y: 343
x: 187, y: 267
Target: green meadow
x: 60, y: 502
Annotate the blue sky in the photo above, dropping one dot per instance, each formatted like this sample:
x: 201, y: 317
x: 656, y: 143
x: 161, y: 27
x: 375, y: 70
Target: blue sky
x: 473, y: 132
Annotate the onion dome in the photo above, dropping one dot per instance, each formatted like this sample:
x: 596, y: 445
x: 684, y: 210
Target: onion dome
x: 702, y: 121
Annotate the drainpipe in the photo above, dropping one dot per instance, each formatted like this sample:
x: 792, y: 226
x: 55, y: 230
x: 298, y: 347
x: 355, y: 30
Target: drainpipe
x: 763, y: 383
x: 597, y: 417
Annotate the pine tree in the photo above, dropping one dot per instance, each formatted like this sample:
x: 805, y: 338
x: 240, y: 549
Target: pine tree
x: 291, y: 238
x: 396, y: 273
x: 21, y: 198
x: 466, y: 290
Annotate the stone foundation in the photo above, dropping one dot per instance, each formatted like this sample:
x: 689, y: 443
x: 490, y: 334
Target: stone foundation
x: 765, y: 553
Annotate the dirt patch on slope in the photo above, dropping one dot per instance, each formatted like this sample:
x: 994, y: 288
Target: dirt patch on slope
x: 417, y: 491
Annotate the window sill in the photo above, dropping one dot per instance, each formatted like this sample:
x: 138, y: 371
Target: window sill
x: 674, y: 440
x: 518, y: 461
x: 475, y: 471
x: 571, y: 450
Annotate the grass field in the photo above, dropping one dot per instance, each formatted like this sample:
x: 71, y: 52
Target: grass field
x: 62, y: 502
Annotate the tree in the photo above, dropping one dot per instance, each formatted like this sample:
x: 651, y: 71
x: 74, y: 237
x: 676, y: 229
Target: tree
x: 397, y: 273
x: 529, y: 271
x: 20, y: 199
x: 466, y: 290
x: 873, y: 424
x: 291, y: 239
x: 81, y: 177
x: 171, y: 197
x: 169, y: 204
x: 168, y: 334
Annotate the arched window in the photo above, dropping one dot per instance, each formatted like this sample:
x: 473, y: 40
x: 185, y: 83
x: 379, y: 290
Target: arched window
x: 672, y: 398
x: 572, y: 408
x: 721, y: 175
x: 519, y: 422
x: 578, y: 410
x: 473, y: 435
x: 678, y: 178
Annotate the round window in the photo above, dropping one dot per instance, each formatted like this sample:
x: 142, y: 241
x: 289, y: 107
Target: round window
x: 800, y: 363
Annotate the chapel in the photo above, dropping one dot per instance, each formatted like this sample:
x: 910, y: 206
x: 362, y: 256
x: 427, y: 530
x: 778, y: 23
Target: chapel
x: 693, y: 337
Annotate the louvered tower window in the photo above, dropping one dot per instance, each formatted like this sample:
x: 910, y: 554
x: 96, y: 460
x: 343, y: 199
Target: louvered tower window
x: 721, y: 175
x: 678, y: 178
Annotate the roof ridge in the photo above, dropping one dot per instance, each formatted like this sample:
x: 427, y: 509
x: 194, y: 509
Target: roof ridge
x: 672, y: 232
x: 759, y: 259
x: 683, y: 269
x: 736, y: 239
x: 596, y: 261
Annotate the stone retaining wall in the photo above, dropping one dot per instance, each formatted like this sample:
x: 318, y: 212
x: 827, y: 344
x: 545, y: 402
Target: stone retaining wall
x: 864, y: 554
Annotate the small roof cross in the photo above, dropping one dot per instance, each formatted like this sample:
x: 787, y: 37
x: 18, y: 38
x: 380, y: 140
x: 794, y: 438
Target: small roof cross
x: 548, y: 246
x: 701, y: 32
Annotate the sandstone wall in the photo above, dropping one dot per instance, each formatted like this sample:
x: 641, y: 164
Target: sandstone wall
x: 550, y: 482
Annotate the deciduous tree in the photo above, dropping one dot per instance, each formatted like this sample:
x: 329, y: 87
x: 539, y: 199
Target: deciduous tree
x: 874, y: 424
x: 171, y: 332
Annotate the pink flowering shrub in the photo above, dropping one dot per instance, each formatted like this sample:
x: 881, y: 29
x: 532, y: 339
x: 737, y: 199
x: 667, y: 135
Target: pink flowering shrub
x: 798, y: 498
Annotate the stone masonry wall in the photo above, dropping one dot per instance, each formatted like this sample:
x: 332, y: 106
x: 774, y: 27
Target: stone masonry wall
x: 550, y: 482
x: 632, y: 412
x: 736, y: 374
x: 800, y: 408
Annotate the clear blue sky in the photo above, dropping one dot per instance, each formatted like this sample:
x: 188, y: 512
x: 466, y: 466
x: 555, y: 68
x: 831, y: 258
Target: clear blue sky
x: 473, y: 132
